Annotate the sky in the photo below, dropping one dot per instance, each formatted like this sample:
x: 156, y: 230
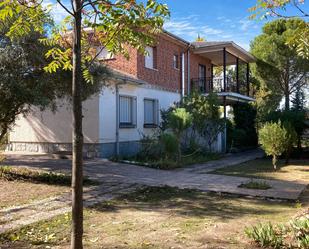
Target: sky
x: 214, y: 20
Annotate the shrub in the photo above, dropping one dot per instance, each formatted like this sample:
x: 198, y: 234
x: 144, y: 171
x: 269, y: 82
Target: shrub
x: 178, y: 121
x: 293, y: 235
x: 265, y: 235
x: 169, y: 144
x: 300, y: 228
x: 245, y: 120
x: 273, y: 138
x: 296, y: 118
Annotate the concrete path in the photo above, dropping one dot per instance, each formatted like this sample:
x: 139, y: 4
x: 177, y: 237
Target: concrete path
x: 15, y: 217
x: 190, y: 177
x: 116, y: 179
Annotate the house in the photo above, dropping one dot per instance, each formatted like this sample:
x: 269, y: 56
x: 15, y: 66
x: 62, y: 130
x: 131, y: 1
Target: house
x: 130, y: 105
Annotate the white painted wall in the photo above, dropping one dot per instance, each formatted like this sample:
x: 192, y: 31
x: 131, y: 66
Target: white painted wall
x: 107, y: 112
x: 56, y: 127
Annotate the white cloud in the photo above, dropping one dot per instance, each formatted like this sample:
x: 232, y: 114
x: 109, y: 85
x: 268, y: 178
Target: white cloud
x: 190, y: 29
x: 58, y: 13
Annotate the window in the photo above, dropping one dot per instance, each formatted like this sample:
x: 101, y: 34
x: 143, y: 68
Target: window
x: 103, y: 54
x: 151, y: 113
x: 127, y: 112
x: 150, y: 57
x: 176, y: 61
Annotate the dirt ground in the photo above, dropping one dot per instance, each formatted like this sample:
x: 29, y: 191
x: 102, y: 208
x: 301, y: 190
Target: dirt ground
x: 160, y: 218
x: 16, y: 192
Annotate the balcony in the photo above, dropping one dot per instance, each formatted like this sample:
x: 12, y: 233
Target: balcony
x: 216, y: 84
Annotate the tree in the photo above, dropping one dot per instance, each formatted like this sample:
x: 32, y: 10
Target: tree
x: 299, y: 100
x: 278, y: 8
x: 205, y: 112
x: 179, y: 120
x: 279, y: 68
x: 115, y: 26
x: 274, y: 140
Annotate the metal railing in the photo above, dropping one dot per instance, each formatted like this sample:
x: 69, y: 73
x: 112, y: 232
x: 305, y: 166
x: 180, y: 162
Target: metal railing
x: 216, y: 84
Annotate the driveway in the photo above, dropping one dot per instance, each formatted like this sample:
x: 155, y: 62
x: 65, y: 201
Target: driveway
x: 190, y: 177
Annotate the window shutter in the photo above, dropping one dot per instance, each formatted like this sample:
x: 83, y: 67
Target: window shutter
x: 134, y: 111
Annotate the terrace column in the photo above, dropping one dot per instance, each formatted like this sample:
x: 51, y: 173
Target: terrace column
x: 237, y: 74
x: 248, y: 83
x: 224, y: 69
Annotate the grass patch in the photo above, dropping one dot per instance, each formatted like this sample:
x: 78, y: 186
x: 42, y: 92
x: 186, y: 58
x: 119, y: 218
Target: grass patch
x: 159, y: 218
x: 255, y: 185
x: 35, y: 176
x: 167, y: 164
x: 296, y: 170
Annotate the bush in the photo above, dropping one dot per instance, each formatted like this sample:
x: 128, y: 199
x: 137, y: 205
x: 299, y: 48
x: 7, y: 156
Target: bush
x: 293, y: 235
x: 245, y: 120
x: 169, y: 145
x: 296, y: 118
x: 178, y: 121
x: 265, y: 235
x: 273, y: 138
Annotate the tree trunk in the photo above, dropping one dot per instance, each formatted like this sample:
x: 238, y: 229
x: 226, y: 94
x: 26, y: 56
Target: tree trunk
x: 77, y: 162
x: 287, y: 101
x: 274, y: 162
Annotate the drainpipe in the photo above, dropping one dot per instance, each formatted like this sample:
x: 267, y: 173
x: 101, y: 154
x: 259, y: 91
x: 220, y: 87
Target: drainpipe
x: 117, y: 117
x: 117, y: 120
x: 183, y: 75
x: 188, y: 68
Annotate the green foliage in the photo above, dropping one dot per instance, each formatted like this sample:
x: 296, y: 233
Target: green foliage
x: 179, y: 120
x: 295, y: 118
x: 169, y: 144
x: 276, y: 60
x: 278, y: 8
x: 244, y: 131
x: 206, y: 118
x: 266, y: 235
x: 23, y: 174
x: 255, y: 185
x: 273, y: 138
x: 300, y: 228
x: 293, y: 235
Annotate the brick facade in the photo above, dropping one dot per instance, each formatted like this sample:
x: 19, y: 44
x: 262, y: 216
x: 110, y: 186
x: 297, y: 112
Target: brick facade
x: 164, y: 75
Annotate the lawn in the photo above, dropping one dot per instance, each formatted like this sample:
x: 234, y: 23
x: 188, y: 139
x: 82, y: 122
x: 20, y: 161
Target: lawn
x: 296, y: 170
x: 159, y: 218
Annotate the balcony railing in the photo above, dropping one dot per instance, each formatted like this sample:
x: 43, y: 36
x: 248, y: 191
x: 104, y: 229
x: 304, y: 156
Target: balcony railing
x: 216, y: 84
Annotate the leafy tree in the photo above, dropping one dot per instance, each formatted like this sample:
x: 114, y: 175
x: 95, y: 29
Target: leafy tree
x: 279, y: 68
x: 295, y: 118
x: 205, y: 112
x: 178, y: 121
x: 115, y: 25
x: 273, y: 138
x: 299, y: 100
x: 278, y: 8
x: 290, y: 139
x: 245, y: 123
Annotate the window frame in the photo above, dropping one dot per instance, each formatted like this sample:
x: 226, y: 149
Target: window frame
x: 133, y: 112
x: 108, y: 54
x: 156, y: 111
x: 176, y: 64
